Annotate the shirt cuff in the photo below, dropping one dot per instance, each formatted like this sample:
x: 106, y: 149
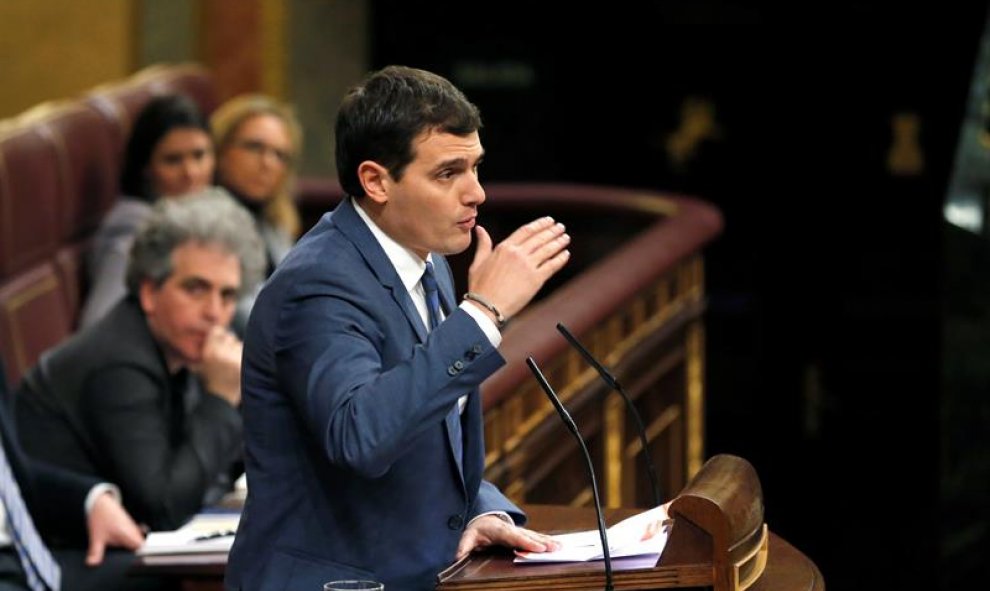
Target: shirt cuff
x: 96, y: 491
x: 500, y: 514
x: 485, y: 322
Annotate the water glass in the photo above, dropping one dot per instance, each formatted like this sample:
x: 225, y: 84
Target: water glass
x: 353, y: 586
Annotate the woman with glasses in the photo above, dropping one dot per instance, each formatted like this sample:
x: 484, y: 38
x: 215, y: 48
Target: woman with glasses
x: 258, y: 142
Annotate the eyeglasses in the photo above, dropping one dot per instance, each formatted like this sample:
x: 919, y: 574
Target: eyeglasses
x: 260, y: 148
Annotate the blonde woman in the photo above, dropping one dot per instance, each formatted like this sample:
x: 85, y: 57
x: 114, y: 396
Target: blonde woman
x: 258, y: 141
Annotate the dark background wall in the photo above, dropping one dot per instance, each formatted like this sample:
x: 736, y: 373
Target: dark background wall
x: 824, y: 357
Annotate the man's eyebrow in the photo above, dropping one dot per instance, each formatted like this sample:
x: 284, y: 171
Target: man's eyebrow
x: 198, y: 281
x: 195, y: 280
x: 459, y: 162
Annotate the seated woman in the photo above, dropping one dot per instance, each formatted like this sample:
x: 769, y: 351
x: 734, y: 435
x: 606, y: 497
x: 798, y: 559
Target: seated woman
x: 258, y: 142
x: 169, y: 153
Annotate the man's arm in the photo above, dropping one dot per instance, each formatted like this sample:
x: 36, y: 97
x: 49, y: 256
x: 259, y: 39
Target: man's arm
x: 345, y: 362
x: 60, y: 510
x: 58, y: 500
x: 491, y: 500
x: 162, y: 485
x: 109, y: 524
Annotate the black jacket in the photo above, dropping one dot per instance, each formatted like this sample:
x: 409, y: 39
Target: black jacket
x: 104, y: 404
x: 54, y: 497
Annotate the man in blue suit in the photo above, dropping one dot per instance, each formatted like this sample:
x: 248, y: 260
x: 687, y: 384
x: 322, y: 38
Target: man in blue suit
x: 362, y: 413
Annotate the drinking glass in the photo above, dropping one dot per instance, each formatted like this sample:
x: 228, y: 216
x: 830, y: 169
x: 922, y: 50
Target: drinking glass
x: 353, y: 586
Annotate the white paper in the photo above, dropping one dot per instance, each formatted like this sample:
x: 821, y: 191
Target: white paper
x: 641, y: 534
x: 206, y: 532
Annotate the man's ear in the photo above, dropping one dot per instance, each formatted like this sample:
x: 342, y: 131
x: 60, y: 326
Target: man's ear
x: 375, y: 181
x: 147, y: 293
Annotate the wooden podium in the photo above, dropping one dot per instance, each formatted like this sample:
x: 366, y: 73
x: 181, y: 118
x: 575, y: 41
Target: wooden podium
x: 718, y: 540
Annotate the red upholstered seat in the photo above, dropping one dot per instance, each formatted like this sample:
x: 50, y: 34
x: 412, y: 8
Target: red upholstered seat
x: 119, y: 103
x: 34, y: 316
x: 59, y: 169
x: 70, y: 264
x: 29, y: 202
x: 88, y: 169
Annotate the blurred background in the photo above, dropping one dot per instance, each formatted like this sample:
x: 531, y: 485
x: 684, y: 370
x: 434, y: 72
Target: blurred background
x: 847, y: 145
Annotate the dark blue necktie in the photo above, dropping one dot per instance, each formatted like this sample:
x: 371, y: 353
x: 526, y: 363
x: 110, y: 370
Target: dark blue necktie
x: 453, y: 419
x: 429, y: 281
x: 40, y: 568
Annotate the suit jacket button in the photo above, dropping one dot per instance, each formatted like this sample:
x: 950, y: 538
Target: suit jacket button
x: 451, y: 371
x: 458, y: 365
x: 455, y: 522
x: 477, y: 349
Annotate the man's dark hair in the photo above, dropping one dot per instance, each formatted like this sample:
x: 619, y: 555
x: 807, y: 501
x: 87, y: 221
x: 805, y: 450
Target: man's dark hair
x: 379, y: 118
x: 161, y: 115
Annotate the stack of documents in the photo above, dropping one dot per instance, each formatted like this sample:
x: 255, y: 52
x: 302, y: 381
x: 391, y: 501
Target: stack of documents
x: 206, y: 532
x: 644, y: 535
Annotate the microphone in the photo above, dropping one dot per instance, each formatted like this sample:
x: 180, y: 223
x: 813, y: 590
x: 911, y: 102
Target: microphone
x: 566, y: 417
x: 613, y: 383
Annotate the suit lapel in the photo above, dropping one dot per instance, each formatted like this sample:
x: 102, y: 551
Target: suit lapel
x: 352, y: 226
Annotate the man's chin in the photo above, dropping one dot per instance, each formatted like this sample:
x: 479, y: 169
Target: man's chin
x: 455, y: 247
x: 191, y: 361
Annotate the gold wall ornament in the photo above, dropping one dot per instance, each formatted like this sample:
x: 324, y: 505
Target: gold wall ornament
x: 905, y: 157
x: 697, y: 125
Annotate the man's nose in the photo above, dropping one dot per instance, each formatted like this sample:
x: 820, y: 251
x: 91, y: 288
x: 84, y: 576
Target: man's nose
x: 213, y: 307
x: 474, y: 193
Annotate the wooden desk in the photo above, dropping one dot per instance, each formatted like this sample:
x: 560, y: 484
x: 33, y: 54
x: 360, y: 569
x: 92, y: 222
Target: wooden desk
x: 787, y: 568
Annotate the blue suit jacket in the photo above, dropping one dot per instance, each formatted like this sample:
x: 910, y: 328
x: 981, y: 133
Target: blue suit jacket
x: 54, y: 497
x: 352, y: 471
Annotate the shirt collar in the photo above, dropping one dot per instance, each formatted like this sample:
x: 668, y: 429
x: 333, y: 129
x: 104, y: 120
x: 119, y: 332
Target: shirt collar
x: 407, y: 263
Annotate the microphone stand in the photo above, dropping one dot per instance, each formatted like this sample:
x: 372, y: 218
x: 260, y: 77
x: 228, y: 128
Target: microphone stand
x: 613, y: 383
x: 566, y: 417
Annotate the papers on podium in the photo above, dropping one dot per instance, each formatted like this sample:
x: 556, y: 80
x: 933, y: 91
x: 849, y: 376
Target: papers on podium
x: 644, y: 534
x: 205, y: 533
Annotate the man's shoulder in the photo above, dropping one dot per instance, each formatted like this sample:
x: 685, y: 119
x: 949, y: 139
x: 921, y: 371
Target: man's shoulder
x: 325, y: 252
x: 120, y: 339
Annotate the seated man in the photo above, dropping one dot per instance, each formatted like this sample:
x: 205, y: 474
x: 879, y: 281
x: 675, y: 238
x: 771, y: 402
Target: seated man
x: 69, y: 509
x: 147, y: 397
